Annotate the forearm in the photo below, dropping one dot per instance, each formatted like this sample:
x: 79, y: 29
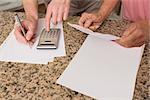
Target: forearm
x: 106, y: 8
x: 31, y: 8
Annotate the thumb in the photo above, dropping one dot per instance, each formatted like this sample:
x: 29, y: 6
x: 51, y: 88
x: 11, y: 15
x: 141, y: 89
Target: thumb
x: 127, y: 36
x: 122, y: 42
x: 126, y: 41
x: 29, y: 35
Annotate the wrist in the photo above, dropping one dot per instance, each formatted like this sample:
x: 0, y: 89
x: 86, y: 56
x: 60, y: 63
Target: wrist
x: 31, y: 16
x: 100, y: 16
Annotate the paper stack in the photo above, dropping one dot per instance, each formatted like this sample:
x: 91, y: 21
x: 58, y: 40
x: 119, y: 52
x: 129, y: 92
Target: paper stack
x: 13, y: 51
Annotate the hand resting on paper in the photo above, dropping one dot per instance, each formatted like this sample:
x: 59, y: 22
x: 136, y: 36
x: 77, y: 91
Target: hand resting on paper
x: 136, y: 35
x: 90, y: 20
x: 30, y: 25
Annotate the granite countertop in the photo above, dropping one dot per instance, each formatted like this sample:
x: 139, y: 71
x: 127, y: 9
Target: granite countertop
x: 20, y: 81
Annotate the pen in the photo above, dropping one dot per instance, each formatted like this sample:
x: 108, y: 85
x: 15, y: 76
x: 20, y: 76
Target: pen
x: 22, y: 29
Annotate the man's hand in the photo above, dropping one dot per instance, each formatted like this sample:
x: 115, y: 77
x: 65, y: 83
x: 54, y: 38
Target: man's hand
x: 94, y: 20
x: 30, y: 25
x: 58, y: 10
x: 136, y: 35
x: 90, y: 20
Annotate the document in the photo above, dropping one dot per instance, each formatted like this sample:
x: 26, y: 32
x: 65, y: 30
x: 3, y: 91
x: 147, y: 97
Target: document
x: 90, y: 32
x: 13, y: 51
x: 103, y: 70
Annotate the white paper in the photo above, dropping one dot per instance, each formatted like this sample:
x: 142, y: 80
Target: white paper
x: 103, y: 70
x: 90, y: 32
x: 12, y: 50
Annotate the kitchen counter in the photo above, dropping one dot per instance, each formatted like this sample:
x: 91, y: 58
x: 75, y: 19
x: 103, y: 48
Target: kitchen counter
x: 20, y: 81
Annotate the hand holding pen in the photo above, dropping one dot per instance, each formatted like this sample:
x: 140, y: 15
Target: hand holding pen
x: 25, y: 30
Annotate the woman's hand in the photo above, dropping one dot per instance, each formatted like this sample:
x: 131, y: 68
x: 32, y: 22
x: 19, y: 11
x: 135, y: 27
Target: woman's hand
x: 30, y: 25
x: 136, y: 35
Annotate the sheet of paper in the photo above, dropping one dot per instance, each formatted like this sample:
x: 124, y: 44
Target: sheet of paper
x: 103, y: 70
x: 90, y: 32
x: 12, y: 50
x: 9, y: 52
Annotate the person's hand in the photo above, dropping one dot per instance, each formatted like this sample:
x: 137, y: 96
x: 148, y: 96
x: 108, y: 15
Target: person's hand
x: 30, y: 25
x: 136, y: 35
x: 90, y: 20
x: 58, y: 10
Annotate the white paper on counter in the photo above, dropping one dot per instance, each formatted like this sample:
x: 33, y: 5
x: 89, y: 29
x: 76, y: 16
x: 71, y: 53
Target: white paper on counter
x: 90, y: 32
x: 103, y: 70
x: 12, y: 50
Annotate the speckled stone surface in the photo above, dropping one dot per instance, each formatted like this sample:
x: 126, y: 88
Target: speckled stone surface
x: 19, y: 81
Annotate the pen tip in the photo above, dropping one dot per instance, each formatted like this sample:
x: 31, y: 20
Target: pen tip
x: 16, y: 14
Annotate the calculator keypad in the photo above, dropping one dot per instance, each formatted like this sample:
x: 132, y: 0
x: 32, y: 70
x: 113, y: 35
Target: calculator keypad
x: 49, y: 39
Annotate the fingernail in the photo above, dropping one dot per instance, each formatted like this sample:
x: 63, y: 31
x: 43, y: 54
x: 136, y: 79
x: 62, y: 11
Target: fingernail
x: 113, y: 40
x: 65, y: 18
x: 28, y: 38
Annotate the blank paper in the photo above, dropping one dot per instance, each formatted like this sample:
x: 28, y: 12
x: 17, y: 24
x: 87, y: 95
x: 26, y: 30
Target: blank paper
x: 103, y: 70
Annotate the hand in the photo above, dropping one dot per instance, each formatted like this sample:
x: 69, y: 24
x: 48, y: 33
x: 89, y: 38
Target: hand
x: 90, y: 20
x: 136, y: 35
x: 30, y: 25
x: 58, y: 10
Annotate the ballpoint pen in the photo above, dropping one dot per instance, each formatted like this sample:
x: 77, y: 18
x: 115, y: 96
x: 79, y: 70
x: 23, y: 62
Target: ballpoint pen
x: 22, y: 29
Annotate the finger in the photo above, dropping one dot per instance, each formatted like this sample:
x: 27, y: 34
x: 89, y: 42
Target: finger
x: 129, y: 30
x: 19, y: 35
x: 129, y: 45
x: 60, y: 14
x: 131, y: 40
x: 87, y: 23
x: 82, y: 19
x: 139, y: 39
x: 66, y: 12
x: 29, y: 35
x: 48, y: 18
x: 140, y: 43
x: 55, y: 15
x: 25, y: 25
x: 34, y: 36
x: 122, y: 43
x: 94, y: 26
x: 33, y: 40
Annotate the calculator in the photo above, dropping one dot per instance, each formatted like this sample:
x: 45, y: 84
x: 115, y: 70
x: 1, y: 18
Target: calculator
x: 49, y: 40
